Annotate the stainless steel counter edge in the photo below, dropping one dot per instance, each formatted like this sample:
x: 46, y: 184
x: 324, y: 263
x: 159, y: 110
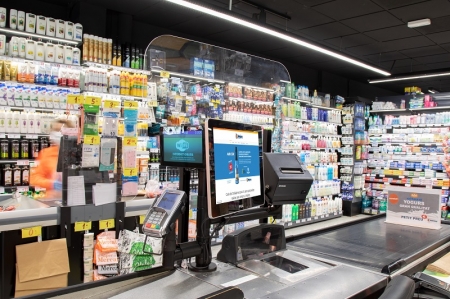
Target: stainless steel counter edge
x: 25, y: 218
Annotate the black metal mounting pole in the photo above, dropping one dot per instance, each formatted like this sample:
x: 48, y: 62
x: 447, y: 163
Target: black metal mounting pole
x: 203, y: 260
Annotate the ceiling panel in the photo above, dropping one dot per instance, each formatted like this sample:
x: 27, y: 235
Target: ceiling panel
x: 302, y: 17
x: 314, y: 58
x: 440, y: 38
x: 260, y: 45
x: 385, y: 56
x: 366, y: 49
x: 350, y: 41
x: 430, y: 9
x: 392, y: 33
x: 327, y: 31
x: 234, y: 36
x: 405, y: 62
x: 434, y: 58
x: 312, y: 2
x: 407, y: 43
x: 344, y: 9
x: 437, y: 25
x: 292, y: 51
x: 438, y: 66
x: 162, y: 14
x: 389, y: 4
x: 198, y: 25
x: 424, y: 51
x: 373, y: 21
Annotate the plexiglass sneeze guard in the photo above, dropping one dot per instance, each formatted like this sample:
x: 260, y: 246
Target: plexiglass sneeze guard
x: 182, y: 56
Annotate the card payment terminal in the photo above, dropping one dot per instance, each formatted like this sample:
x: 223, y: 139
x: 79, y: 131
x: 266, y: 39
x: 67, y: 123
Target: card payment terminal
x: 161, y: 217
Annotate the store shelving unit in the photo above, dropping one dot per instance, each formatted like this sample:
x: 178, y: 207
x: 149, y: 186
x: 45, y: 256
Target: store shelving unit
x: 297, y: 137
x: 407, y: 154
x: 353, y: 186
x: 13, y: 32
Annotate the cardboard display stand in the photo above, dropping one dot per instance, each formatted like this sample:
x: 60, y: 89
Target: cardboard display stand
x: 418, y: 207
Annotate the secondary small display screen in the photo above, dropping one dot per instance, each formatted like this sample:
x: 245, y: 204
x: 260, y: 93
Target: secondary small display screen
x: 182, y: 146
x: 168, y: 201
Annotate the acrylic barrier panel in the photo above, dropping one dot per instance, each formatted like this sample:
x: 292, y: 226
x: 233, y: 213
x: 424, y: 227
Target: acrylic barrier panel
x: 183, y: 56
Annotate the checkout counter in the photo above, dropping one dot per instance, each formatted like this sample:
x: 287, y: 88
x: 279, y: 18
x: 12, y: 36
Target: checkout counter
x: 352, y: 261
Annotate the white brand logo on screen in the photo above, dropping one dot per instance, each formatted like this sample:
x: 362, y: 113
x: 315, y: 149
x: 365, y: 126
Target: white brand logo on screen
x: 182, y: 145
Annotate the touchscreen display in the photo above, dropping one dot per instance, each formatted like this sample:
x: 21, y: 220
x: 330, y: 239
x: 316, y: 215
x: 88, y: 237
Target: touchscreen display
x: 237, y: 169
x: 168, y: 201
x: 182, y: 146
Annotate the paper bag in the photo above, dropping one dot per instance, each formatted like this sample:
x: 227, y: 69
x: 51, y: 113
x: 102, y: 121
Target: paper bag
x: 53, y: 282
x: 42, y: 259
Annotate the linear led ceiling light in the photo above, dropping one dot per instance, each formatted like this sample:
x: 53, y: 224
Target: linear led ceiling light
x: 276, y: 34
x: 409, y: 78
x: 419, y: 23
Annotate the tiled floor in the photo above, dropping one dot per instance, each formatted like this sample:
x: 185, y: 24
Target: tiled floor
x: 110, y: 290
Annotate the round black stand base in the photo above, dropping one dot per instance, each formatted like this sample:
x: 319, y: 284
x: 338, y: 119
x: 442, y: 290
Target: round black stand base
x: 211, y: 267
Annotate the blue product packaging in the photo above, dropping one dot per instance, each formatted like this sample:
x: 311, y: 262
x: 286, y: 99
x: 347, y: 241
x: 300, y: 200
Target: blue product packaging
x: 208, y: 69
x: 197, y: 66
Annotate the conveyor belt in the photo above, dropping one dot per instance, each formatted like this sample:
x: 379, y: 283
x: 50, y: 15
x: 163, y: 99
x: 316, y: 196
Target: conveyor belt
x: 373, y: 244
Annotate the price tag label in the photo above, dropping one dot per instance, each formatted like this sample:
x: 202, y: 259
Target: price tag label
x: 111, y: 104
x: 130, y: 141
x: 303, y: 220
x: 289, y: 224
x: 130, y: 171
x: 75, y: 99
x: 164, y: 74
x: 31, y: 232
x: 95, y: 101
x: 153, y: 103
x: 308, y: 219
x: 130, y: 104
x: 183, y: 94
x: 31, y: 136
x: 23, y: 162
x: 91, y: 139
x: 141, y: 219
x: 83, y: 225
x: 107, y: 224
x: 297, y: 221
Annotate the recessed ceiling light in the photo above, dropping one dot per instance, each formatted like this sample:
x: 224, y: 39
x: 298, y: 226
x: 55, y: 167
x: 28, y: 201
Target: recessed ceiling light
x: 419, y: 23
x: 277, y: 34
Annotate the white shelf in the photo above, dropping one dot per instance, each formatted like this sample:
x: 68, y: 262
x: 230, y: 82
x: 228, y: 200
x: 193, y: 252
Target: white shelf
x: 116, y: 68
x: 325, y: 108
x: 315, y: 134
x: 13, y: 32
x: 308, y: 120
x: 112, y: 96
x: 251, y: 100
x: 387, y: 110
x: 37, y: 62
x: 430, y: 108
x: 156, y: 71
x: 297, y: 100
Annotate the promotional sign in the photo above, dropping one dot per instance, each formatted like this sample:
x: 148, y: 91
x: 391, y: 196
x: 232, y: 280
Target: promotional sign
x: 236, y: 162
x: 414, y: 207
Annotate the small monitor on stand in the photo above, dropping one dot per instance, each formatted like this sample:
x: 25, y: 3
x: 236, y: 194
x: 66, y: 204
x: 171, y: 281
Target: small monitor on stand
x: 182, y: 146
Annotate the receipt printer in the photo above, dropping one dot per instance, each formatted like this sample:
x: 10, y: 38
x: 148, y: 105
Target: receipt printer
x: 287, y: 181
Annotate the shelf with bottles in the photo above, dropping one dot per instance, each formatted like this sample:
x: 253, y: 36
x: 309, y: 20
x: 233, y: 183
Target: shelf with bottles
x: 303, y: 113
x: 313, y: 209
x: 249, y: 118
x: 322, y: 128
x: 313, y: 219
x: 118, y: 83
x: 115, y: 68
x: 115, y: 97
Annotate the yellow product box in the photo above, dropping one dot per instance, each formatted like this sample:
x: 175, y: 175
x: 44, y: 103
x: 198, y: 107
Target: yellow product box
x: 446, y: 183
x: 397, y: 172
x: 388, y: 172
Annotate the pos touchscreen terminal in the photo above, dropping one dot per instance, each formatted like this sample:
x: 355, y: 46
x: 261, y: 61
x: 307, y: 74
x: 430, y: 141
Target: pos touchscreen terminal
x: 161, y: 217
